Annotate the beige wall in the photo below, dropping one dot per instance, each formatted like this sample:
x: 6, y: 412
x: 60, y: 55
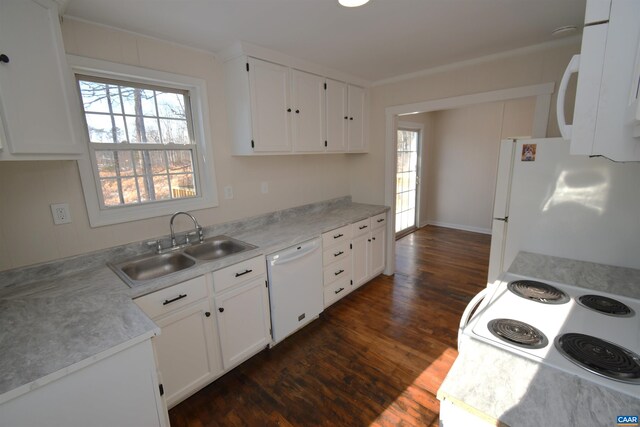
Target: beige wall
x: 459, y: 160
x: 527, y: 68
x: 27, y: 233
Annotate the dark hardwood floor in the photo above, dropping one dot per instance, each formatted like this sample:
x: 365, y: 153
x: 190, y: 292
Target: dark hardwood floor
x: 377, y: 357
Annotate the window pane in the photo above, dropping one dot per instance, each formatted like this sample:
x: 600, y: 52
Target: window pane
x: 161, y: 187
x: 151, y: 132
x: 182, y: 186
x: 171, y: 105
x: 174, y: 131
x: 124, y: 162
x: 180, y: 161
x: 96, y: 97
x: 103, y: 129
x: 142, y: 188
x: 157, y: 162
x: 129, y: 190
x: 110, y: 193
x: 106, y: 164
x: 135, y: 129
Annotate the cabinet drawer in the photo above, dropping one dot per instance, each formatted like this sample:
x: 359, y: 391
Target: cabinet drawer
x: 235, y: 274
x: 361, y: 227
x: 379, y: 220
x: 337, y: 236
x: 335, y: 253
x: 337, y: 270
x: 173, y: 297
x: 335, y: 291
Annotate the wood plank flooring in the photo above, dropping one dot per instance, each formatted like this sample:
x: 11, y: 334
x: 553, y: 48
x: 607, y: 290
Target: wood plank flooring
x: 377, y: 357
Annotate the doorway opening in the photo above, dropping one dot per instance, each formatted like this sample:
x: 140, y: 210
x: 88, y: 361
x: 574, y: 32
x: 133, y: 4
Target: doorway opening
x: 407, y: 178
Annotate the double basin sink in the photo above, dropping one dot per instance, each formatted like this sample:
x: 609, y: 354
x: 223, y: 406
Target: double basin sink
x: 139, y: 270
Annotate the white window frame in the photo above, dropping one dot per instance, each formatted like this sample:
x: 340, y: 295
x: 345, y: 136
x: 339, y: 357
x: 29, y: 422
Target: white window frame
x: 203, y: 156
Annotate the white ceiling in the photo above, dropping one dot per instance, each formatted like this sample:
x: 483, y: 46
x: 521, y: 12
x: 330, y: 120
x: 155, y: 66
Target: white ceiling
x: 381, y: 40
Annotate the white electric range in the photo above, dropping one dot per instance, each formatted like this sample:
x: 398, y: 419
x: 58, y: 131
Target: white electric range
x: 590, y: 334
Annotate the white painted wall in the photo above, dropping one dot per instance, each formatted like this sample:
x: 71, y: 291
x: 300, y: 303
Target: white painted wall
x: 524, y: 68
x: 460, y: 157
x: 27, y: 233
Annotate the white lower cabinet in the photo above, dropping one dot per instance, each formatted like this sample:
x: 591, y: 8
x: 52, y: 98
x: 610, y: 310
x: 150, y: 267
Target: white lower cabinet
x: 242, y: 310
x: 368, y: 253
x: 120, y: 390
x: 336, y: 261
x: 187, y: 349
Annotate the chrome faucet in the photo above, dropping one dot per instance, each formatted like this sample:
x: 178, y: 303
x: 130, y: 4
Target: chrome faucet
x: 195, y: 223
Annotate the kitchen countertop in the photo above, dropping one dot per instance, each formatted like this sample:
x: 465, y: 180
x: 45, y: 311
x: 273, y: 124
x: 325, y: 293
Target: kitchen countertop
x: 520, y: 392
x: 82, y: 311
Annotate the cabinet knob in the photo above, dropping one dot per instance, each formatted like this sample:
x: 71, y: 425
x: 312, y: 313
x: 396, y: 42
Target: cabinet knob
x: 350, y: 118
x: 221, y: 309
x: 297, y: 111
x: 346, y: 117
x: 4, y: 58
x: 288, y: 110
x: 207, y: 313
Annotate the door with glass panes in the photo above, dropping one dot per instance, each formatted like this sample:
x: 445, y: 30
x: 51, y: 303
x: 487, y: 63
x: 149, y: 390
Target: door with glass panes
x: 407, y: 179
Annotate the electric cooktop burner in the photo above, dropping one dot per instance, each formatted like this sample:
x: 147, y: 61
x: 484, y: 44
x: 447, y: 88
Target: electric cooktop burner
x: 538, y: 292
x: 605, y: 305
x: 600, y: 357
x: 517, y: 333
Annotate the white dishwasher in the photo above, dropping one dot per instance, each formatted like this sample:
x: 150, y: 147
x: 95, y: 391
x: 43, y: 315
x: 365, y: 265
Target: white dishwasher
x: 295, y: 287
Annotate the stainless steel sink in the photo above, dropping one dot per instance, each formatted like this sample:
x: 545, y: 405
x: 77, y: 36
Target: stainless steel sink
x: 137, y: 271
x: 150, y: 267
x: 217, y: 247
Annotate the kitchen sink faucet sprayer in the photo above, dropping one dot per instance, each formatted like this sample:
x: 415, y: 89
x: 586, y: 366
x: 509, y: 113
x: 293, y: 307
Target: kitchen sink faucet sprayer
x: 195, y: 223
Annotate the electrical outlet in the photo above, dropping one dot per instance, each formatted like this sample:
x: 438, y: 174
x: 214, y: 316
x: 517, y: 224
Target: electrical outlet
x: 228, y: 192
x: 61, y: 213
x: 264, y: 187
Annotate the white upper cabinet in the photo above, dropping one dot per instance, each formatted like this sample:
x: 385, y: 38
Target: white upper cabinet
x: 356, y: 124
x: 606, y: 119
x: 337, y: 119
x: 38, y: 103
x: 269, y: 88
x: 308, y: 112
x: 275, y: 108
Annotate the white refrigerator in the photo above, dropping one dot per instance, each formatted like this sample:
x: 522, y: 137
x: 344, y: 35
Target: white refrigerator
x: 548, y: 201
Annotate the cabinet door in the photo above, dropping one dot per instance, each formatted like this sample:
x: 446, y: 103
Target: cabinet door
x: 38, y: 101
x: 243, y: 321
x: 269, y: 92
x: 337, y: 119
x: 356, y: 118
x: 376, y: 251
x: 307, y: 112
x: 187, y: 350
x: 360, y: 259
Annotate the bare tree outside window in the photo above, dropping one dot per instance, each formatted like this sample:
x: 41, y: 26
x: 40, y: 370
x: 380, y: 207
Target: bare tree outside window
x: 141, y: 140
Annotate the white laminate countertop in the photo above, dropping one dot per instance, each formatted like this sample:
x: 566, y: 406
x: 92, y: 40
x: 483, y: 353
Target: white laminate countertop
x: 52, y: 323
x: 516, y: 391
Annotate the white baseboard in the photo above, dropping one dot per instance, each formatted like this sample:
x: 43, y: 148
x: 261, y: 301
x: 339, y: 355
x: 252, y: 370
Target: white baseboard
x: 457, y: 226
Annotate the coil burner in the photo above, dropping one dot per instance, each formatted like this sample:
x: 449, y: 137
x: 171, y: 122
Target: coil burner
x: 517, y: 333
x: 605, y: 305
x: 538, y: 292
x: 600, y: 357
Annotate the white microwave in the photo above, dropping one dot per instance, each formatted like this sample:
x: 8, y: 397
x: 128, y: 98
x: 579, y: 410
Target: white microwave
x: 606, y: 118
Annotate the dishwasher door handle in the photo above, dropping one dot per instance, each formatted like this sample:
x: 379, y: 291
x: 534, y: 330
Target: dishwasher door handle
x: 297, y: 252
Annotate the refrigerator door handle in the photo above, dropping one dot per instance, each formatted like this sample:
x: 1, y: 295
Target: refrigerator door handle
x: 505, y: 219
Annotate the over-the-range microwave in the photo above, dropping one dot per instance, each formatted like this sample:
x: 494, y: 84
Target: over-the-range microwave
x: 606, y: 118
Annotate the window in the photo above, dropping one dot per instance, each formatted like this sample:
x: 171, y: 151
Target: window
x: 147, y: 147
